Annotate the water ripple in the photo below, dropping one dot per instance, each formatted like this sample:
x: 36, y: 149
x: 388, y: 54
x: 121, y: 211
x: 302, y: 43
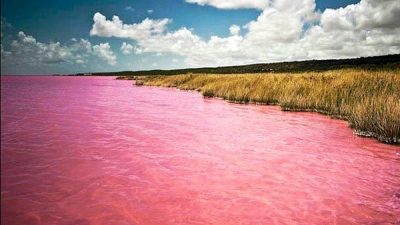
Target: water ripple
x: 94, y: 150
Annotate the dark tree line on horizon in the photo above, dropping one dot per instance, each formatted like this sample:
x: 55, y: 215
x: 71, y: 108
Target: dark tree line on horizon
x: 370, y: 63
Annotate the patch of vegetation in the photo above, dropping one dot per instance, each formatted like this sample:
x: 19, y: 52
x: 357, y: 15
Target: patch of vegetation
x: 368, y: 99
x: 368, y: 63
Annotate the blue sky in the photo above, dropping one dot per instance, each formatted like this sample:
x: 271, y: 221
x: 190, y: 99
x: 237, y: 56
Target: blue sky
x: 67, y: 21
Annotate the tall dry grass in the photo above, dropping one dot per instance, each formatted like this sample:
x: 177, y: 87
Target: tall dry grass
x: 369, y: 100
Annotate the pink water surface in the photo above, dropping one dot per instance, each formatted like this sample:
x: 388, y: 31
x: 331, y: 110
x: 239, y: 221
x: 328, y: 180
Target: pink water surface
x: 94, y: 150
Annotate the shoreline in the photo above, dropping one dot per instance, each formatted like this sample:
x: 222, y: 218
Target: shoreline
x: 360, y: 133
x: 163, y: 82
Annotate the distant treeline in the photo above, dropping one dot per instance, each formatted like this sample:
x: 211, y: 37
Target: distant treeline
x: 370, y: 63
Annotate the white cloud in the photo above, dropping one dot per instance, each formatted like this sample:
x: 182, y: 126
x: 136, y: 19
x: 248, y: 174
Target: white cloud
x: 282, y: 22
x: 234, y: 29
x: 103, y: 50
x: 367, y: 28
x: 233, y: 4
x: 150, y: 11
x: 27, y: 50
x: 115, y: 27
x: 126, y: 49
x: 137, y: 50
x: 4, y: 53
x: 284, y: 30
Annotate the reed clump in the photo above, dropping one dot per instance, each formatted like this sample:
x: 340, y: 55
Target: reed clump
x: 369, y: 100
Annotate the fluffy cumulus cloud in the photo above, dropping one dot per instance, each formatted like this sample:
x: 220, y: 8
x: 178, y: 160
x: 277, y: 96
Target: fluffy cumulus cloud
x: 127, y: 49
x: 103, y: 50
x: 284, y: 30
x: 367, y: 28
x: 25, y: 49
x: 234, y: 29
x: 115, y: 27
x: 233, y: 4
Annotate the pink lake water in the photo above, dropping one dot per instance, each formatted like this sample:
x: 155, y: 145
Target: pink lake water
x: 94, y: 150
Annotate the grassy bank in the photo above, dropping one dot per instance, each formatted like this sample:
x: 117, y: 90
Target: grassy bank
x: 369, y: 100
